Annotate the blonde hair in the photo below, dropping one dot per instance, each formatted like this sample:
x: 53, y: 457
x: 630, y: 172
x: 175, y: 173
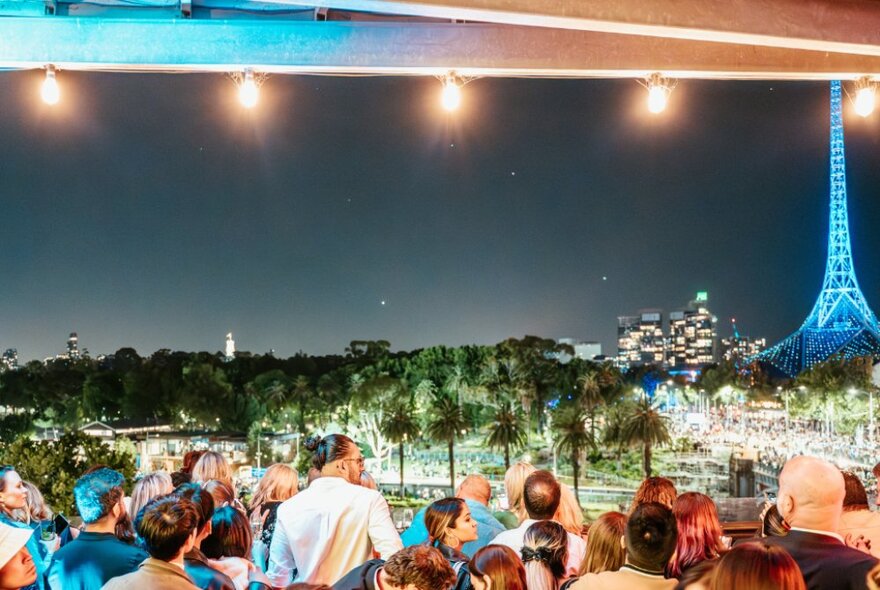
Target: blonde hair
x: 514, y: 487
x: 604, y: 551
x: 147, y: 488
x: 212, y: 465
x: 569, y: 513
x: 279, y: 483
x: 544, y: 553
x: 35, y: 509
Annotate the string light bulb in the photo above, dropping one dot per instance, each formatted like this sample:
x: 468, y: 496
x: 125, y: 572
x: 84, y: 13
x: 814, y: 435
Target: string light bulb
x: 248, y: 91
x: 450, y: 97
x: 659, y: 89
x: 864, y: 101
x: 49, y: 91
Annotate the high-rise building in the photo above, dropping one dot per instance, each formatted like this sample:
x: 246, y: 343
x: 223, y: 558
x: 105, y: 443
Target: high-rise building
x: 73, y: 352
x: 739, y: 348
x: 692, y: 335
x: 640, y: 339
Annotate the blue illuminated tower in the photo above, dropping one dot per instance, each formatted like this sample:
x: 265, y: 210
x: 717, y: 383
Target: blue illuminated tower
x: 841, y: 322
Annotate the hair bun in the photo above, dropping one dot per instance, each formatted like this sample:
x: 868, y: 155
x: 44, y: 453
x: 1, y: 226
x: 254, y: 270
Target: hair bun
x: 312, y: 443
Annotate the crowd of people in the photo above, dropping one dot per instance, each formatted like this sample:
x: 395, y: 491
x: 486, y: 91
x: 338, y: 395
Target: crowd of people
x: 189, y: 530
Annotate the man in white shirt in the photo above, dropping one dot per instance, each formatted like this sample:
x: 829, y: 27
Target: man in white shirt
x: 541, y: 497
x: 334, y: 525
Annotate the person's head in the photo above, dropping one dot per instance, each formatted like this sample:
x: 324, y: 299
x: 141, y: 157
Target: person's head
x: 757, y: 565
x: 178, y: 478
x: 772, y: 523
x: 544, y: 552
x: 515, y: 485
x: 204, y: 504
x: 855, y: 497
x: 449, y: 522
x: 150, y: 486
x: 569, y: 513
x: 367, y: 481
x: 541, y: 495
x: 314, y: 473
x: 230, y: 535
x: 13, y: 494
x: 699, y: 576
x: 98, y: 496
x: 811, y: 494
x: 17, y: 569
x: 167, y: 527
x: 655, y: 489
x: 650, y: 536
x: 476, y: 488
x: 419, y: 567
x: 36, y: 504
x: 338, y: 456
x: 497, y: 567
x: 605, y: 552
x: 189, y: 461
x: 699, y: 532
x: 223, y: 494
x: 212, y: 465
x: 278, y: 484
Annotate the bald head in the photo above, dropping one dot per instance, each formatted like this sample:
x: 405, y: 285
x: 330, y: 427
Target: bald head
x: 811, y: 494
x: 476, y: 488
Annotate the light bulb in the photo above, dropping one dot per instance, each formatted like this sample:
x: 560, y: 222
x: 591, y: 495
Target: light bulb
x: 451, y: 97
x: 658, y: 96
x: 864, y: 103
x: 49, y: 91
x: 248, y: 93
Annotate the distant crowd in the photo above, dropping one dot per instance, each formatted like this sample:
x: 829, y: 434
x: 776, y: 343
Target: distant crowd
x: 189, y: 530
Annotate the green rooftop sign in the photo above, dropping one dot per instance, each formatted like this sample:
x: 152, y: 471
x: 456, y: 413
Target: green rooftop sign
x: 702, y: 296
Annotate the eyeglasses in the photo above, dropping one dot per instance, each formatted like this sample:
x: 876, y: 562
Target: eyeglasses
x: 360, y: 460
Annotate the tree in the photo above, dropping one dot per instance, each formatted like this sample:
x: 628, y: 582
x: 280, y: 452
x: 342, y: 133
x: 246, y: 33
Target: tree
x: 507, y: 430
x: 573, y: 439
x: 399, y: 426
x: 645, y: 427
x: 446, y: 424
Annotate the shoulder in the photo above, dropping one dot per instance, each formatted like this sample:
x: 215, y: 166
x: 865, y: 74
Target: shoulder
x: 121, y: 581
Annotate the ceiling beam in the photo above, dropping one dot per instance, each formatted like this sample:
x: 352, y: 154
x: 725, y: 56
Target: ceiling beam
x: 845, y: 26
x: 386, y: 49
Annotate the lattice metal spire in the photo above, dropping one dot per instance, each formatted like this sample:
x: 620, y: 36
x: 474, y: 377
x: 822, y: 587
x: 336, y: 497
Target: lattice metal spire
x: 841, y: 321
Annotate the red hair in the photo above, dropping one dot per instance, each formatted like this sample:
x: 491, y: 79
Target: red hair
x: 699, y: 532
x: 501, y: 564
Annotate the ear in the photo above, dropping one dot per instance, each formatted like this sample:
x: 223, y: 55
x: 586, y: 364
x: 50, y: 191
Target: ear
x: 622, y: 542
x: 488, y: 581
x: 785, y: 504
x: 117, y: 510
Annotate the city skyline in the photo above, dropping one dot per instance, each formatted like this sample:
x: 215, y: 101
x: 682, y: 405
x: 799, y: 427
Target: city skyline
x: 352, y: 209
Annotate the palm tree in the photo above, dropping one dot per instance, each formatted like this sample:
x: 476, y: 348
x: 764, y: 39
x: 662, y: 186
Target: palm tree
x: 400, y: 425
x: 645, y: 427
x: 570, y: 424
x: 302, y: 395
x: 590, y: 395
x: 447, y: 423
x: 508, y: 429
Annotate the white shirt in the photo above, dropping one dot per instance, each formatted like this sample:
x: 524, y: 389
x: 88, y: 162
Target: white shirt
x: 513, y: 538
x: 327, y: 530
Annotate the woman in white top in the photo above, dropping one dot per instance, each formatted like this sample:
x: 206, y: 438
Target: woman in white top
x: 335, y: 524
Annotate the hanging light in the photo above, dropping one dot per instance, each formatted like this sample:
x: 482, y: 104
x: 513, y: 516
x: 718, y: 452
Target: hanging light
x: 659, y: 89
x: 866, y: 91
x: 451, y: 94
x: 49, y: 90
x: 248, y: 91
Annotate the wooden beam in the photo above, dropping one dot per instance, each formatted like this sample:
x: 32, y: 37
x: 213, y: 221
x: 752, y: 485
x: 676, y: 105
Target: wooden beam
x: 845, y: 26
x: 395, y: 49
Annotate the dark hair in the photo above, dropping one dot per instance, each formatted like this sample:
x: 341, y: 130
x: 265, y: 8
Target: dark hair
x: 165, y: 524
x: 201, y: 499
x: 441, y: 515
x: 230, y: 535
x: 772, y: 523
x: 501, y: 565
x: 328, y: 449
x: 856, y: 498
x: 189, y: 461
x: 541, y: 495
x: 700, y: 573
x: 179, y: 478
x: 97, y: 492
x: 544, y: 551
x: 757, y: 565
x: 420, y: 565
x: 651, y: 535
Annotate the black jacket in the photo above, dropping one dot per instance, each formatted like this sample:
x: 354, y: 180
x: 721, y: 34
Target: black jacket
x: 363, y: 577
x: 827, y: 564
x: 203, y: 575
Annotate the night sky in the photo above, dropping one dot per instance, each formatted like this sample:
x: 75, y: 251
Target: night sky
x: 153, y: 211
